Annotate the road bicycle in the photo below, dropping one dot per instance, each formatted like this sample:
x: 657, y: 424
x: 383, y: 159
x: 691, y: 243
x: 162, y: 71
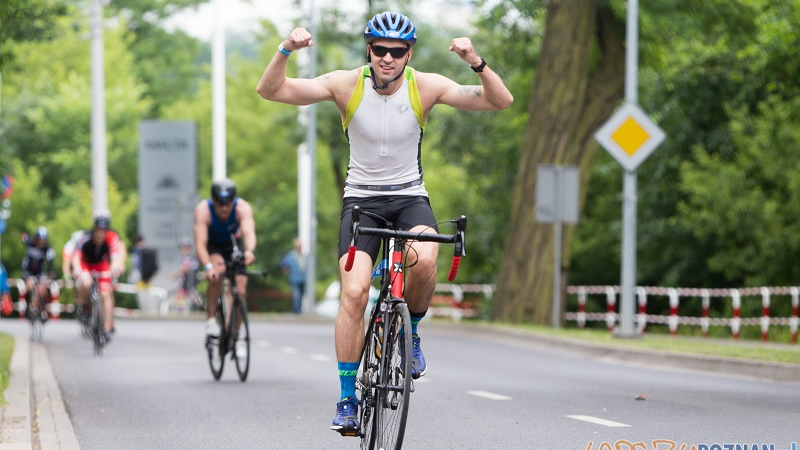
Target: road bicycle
x: 384, y: 381
x: 90, y: 315
x: 36, y: 312
x: 231, y: 317
x: 96, y: 319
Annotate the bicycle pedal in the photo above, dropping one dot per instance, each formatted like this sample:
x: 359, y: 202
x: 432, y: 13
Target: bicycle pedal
x: 348, y: 433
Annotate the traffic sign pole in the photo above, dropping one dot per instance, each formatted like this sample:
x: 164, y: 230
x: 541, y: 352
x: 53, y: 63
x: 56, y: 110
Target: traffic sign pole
x: 629, y: 136
x: 629, y: 185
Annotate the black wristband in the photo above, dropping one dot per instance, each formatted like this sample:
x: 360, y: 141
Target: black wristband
x: 479, y: 67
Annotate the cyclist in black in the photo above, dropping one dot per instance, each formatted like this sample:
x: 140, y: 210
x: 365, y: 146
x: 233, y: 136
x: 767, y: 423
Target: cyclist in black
x: 38, y: 261
x: 215, y: 220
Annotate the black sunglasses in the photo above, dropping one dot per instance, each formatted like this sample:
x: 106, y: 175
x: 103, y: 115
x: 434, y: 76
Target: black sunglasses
x: 381, y: 51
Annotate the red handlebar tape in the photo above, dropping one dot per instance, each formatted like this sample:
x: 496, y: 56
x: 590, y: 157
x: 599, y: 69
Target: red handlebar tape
x: 454, y: 268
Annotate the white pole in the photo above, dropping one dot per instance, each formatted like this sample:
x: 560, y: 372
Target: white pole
x: 307, y: 170
x: 98, y: 126
x: 627, y: 306
x: 219, y: 165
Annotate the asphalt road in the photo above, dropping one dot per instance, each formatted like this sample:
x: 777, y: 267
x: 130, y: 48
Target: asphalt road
x: 152, y: 389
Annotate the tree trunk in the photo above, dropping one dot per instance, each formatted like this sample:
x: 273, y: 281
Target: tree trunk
x: 579, y: 82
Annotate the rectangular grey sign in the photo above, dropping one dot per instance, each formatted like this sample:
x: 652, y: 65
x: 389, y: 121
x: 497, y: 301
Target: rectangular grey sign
x: 557, y: 189
x: 167, y: 190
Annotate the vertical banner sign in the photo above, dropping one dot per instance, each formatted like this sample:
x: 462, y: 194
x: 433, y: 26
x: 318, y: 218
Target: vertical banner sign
x: 167, y: 190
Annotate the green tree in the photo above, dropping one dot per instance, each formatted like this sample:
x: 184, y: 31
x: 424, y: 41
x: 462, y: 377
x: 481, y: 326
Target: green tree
x: 573, y: 93
x: 27, y: 20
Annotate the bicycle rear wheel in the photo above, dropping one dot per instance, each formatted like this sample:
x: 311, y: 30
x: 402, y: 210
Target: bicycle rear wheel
x: 394, y: 389
x: 240, y: 337
x: 368, y: 379
x: 215, y: 346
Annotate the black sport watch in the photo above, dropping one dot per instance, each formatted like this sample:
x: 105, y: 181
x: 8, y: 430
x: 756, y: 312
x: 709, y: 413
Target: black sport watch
x: 479, y: 67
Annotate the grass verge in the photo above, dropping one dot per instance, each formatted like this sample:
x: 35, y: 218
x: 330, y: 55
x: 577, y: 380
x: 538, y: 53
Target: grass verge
x: 6, y: 350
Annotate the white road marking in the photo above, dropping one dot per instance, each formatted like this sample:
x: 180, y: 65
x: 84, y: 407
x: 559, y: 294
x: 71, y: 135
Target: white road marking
x: 599, y: 421
x: 489, y: 395
x: 289, y: 350
x: 320, y: 357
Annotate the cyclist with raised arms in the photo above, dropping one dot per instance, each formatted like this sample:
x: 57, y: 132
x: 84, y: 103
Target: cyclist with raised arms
x: 384, y: 107
x: 39, y: 261
x: 99, y: 251
x: 215, y: 220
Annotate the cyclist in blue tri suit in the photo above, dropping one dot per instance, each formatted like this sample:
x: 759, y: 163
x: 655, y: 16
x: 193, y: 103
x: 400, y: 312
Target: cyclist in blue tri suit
x: 384, y: 106
x: 215, y: 220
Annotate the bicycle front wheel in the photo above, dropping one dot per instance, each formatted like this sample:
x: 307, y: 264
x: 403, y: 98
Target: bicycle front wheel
x: 215, y: 345
x: 96, y: 322
x: 35, y: 318
x: 240, y: 337
x: 394, y: 388
x: 368, y: 379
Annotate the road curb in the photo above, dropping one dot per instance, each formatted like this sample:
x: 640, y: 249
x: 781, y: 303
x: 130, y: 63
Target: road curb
x: 55, y: 431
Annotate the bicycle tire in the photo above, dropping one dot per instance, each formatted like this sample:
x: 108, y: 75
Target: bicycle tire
x: 240, y: 334
x: 368, y: 379
x: 216, y: 350
x: 394, y: 389
x: 97, y: 325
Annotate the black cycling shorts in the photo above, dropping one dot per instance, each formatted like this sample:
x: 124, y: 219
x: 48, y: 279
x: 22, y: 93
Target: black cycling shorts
x: 225, y: 250
x: 404, y: 212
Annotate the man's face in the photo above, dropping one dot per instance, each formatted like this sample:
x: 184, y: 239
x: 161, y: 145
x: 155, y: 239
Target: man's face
x: 388, y: 57
x: 99, y: 234
x: 222, y: 210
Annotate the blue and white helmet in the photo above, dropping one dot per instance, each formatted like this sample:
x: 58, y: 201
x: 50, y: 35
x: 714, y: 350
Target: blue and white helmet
x: 391, y: 25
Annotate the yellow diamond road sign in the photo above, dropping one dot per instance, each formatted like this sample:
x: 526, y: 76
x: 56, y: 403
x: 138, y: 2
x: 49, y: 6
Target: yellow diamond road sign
x: 630, y: 136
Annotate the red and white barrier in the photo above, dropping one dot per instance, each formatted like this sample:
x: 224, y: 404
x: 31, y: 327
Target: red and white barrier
x: 641, y: 318
x: 736, y: 322
x: 705, y: 321
x: 22, y: 305
x: 54, y: 307
x: 765, y: 320
x: 764, y: 314
x: 672, y: 322
x: 581, y: 307
x: 794, y: 321
x: 611, y: 316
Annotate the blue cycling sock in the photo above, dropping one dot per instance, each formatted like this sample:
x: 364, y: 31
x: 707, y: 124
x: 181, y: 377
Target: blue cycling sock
x: 415, y: 319
x: 347, y: 378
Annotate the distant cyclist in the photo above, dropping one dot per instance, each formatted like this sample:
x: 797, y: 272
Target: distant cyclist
x: 67, y: 252
x: 186, y: 274
x: 384, y: 107
x: 215, y: 220
x: 38, y: 265
x: 99, y: 251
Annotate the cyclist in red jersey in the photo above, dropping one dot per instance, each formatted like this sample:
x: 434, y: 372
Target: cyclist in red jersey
x: 101, y: 251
